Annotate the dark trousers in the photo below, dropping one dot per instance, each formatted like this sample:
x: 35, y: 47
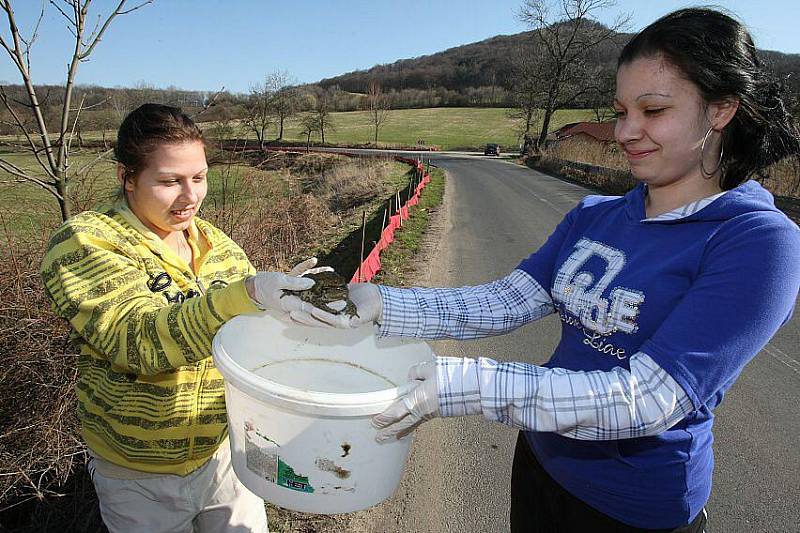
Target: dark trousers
x: 540, y: 505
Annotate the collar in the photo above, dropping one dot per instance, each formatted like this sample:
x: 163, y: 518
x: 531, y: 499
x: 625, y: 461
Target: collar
x: 685, y: 210
x: 196, y: 238
x: 635, y: 200
x: 130, y: 217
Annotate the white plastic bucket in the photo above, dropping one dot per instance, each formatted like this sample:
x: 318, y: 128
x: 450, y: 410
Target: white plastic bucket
x: 299, y: 404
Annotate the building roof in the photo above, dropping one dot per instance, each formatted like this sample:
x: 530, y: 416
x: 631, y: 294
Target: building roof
x: 600, y: 131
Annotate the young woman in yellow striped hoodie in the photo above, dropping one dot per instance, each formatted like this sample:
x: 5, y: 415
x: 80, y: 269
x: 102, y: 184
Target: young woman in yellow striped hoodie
x: 145, y: 285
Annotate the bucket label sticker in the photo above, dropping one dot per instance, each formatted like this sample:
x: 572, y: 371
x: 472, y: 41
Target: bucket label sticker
x: 261, y: 461
x: 289, y: 479
x: 263, y: 458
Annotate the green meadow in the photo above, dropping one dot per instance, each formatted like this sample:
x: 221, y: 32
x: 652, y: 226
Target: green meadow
x: 25, y: 208
x: 449, y: 128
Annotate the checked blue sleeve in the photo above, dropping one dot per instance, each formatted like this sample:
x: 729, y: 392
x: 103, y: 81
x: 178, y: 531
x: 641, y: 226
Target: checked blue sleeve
x: 584, y: 405
x: 587, y: 405
x: 465, y: 312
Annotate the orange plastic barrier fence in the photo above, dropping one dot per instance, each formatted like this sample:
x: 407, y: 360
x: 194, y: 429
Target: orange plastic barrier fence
x: 372, y: 263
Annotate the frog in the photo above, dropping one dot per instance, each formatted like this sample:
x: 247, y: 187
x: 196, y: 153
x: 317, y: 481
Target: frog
x: 328, y: 287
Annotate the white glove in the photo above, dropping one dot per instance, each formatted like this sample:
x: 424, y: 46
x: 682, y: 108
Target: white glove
x: 413, y: 408
x: 267, y: 289
x: 369, y: 307
x: 307, y: 267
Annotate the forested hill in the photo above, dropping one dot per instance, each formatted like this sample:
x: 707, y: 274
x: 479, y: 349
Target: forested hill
x: 480, y: 64
x: 490, y: 63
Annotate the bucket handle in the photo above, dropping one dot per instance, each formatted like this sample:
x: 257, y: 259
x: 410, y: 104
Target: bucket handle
x: 406, y: 387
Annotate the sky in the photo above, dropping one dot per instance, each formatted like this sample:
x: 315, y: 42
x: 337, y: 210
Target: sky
x: 211, y: 44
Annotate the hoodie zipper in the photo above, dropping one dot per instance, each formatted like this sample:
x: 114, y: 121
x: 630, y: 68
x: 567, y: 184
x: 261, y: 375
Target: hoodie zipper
x: 200, y: 380
x: 200, y: 285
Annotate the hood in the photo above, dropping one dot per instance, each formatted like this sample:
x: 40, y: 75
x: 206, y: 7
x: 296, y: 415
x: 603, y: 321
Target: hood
x: 748, y: 197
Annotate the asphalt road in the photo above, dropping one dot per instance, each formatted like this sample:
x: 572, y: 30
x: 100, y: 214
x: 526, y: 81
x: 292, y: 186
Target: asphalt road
x: 458, y: 476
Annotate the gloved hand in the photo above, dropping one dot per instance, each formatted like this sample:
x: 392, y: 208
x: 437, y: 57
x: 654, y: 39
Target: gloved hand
x: 266, y: 289
x: 369, y: 307
x: 308, y: 267
x: 413, y: 408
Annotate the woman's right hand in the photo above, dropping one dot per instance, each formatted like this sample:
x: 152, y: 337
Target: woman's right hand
x: 266, y: 289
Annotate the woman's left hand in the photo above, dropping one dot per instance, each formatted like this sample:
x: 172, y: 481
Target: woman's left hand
x: 413, y: 408
x: 366, y: 297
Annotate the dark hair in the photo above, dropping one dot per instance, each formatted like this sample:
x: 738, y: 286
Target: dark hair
x: 148, y: 126
x: 717, y: 54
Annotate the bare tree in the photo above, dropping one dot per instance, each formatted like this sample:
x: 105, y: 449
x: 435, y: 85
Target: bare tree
x: 51, y: 152
x: 526, y: 90
x: 322, y: 112
x: 258, y: 115
x: 377, y: 103
x: 284, y: 100
x: 562, y: 39
x: 120, y: 104
x: 145, y: 93
x: 308, y: 126
x: 601, y: 102
x: 224, y: 127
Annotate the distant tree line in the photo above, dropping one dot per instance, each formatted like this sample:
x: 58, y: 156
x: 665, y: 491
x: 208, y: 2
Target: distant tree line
x: 484, y: 74
x: 103, y: 107
x: 106, y: 107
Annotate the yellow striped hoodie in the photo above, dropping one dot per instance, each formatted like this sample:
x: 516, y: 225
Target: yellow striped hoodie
x: 149, y: 396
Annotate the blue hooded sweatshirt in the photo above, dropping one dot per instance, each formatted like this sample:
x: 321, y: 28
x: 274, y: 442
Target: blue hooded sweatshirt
x: 701, y: 295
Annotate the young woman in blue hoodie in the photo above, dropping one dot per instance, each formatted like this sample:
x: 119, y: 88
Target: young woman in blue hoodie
x: 664, y: 295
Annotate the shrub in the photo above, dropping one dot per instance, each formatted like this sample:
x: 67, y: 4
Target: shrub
x: 349, y: 186
x: 41, y: 455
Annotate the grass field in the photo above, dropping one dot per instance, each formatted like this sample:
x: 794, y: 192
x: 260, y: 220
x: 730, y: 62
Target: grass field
x: 449, y: 128
x: 27, y: 208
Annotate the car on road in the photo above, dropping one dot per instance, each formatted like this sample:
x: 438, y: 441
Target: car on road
x: 492, y: 149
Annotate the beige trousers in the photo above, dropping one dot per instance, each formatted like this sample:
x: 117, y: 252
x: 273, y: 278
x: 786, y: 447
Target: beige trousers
x: 210, y: 499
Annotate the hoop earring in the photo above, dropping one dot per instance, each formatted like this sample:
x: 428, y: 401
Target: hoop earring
x: 707, y: 174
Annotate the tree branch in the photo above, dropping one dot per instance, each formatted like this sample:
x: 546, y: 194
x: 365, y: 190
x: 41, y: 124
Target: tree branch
x: 29, y: 43
x: 135, y: 7
x: 80, y: 18
x: 89, y: 165
x: 9, y: 50
x: 94, y: 30
x: 92, y: 106
x: 55, y: 5
x: 117, y: 11
x: 12, y: 169
x: 35, y: 149
x: 12, y: 24
x: 25, y: 73
x: 74, y: 127
x: 209, y: 104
